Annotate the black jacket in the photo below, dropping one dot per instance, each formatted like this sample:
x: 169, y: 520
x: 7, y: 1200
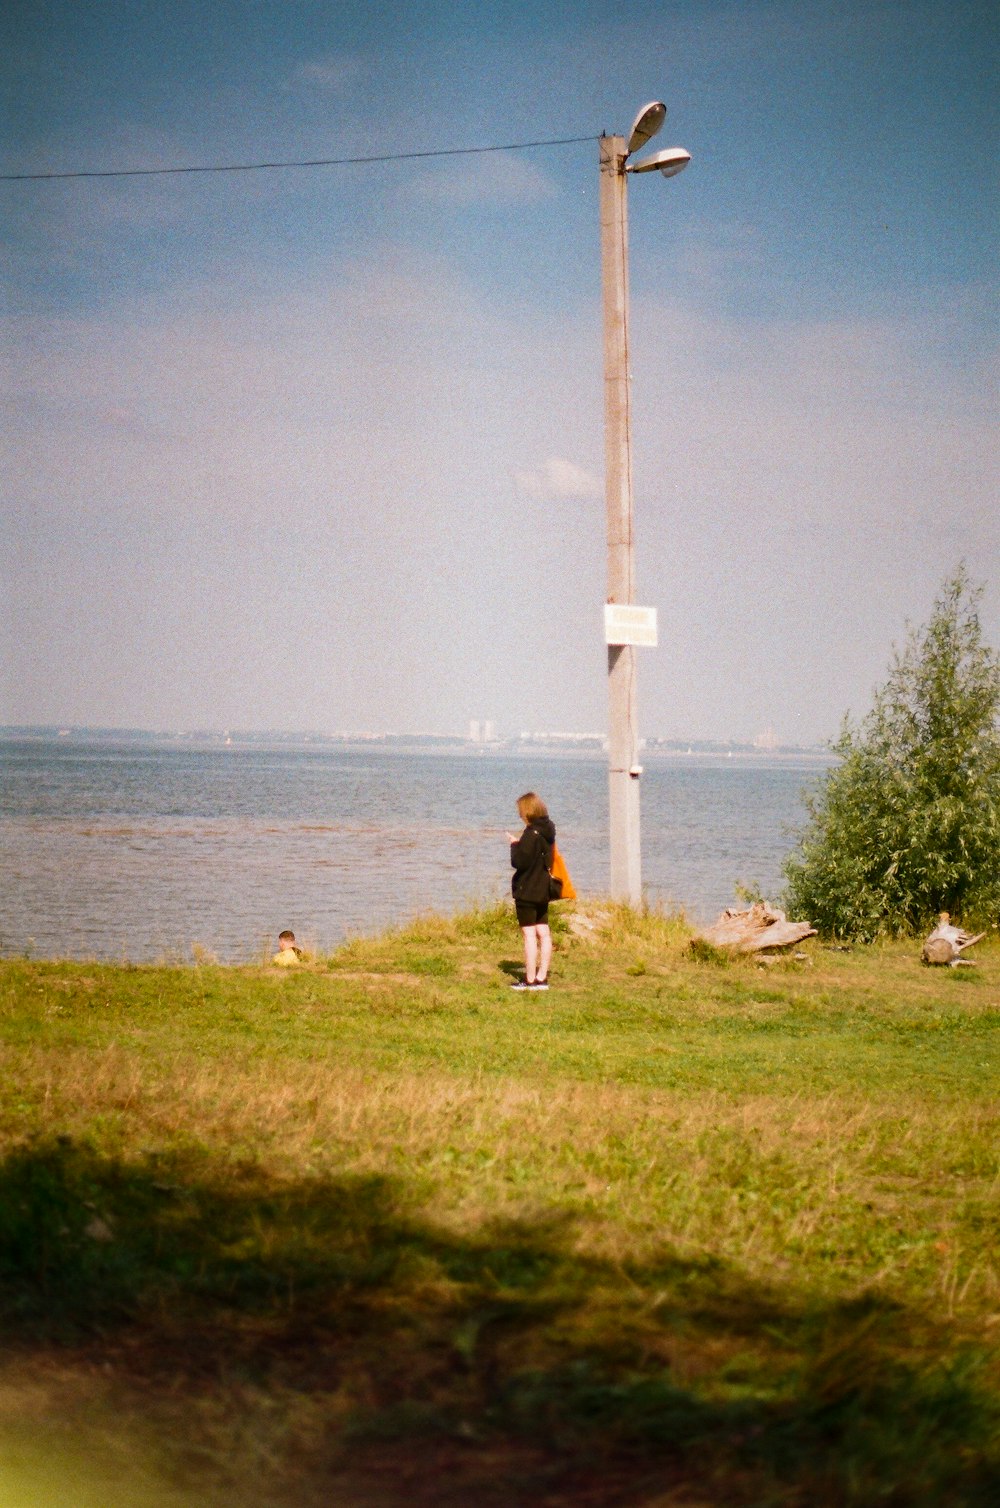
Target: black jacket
x: 531, y: 857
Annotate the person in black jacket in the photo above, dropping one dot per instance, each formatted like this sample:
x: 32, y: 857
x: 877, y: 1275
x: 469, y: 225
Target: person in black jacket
x: 531, y: 858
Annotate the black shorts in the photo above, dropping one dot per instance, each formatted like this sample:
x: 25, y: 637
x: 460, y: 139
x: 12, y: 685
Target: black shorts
x: 532, y: 913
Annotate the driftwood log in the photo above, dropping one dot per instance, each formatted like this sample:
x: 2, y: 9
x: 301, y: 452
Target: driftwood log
x: 756, y: 929
x: 946, y: 943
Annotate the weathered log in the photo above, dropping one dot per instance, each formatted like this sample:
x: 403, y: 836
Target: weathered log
x: 758, y: 928
x: 946, y: 943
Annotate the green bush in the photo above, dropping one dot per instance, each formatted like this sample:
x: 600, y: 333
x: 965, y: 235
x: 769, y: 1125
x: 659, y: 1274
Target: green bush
x: 908, y: 824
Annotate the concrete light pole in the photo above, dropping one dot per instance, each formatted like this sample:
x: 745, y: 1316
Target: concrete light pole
x: 623, y: 731
x: 623, y: 725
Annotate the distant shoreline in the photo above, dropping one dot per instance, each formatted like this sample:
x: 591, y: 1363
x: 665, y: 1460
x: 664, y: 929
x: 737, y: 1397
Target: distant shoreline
x: 555, y: 744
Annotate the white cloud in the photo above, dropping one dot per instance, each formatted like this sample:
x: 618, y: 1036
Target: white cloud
x: 557, y: 478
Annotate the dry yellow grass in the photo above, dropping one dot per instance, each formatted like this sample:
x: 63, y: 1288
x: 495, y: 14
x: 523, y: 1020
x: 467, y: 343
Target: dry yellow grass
x: 637, y: 1167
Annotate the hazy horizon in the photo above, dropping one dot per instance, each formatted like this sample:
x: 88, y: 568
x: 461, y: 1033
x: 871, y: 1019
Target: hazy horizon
x: 501, y: 738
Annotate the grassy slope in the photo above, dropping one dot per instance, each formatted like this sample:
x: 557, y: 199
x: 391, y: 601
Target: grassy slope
x: 380, y: 1230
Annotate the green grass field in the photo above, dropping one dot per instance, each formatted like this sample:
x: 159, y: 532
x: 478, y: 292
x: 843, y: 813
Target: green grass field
x: 381, y: 1231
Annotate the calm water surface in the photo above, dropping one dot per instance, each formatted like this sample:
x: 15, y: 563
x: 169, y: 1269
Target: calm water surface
x: 114, y: 851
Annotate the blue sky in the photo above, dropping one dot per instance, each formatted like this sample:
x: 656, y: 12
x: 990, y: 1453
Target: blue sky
x: 323, y: 448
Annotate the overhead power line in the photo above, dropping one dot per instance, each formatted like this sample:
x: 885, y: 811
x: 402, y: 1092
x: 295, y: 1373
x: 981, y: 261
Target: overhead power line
x: 317, y: 162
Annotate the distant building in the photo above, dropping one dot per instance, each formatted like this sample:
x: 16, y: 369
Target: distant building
x: 766, y: 741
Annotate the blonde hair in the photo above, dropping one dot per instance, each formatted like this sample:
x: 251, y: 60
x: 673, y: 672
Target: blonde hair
x: 531, y: 808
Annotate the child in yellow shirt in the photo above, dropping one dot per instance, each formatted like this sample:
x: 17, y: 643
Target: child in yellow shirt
x: 288, y: 954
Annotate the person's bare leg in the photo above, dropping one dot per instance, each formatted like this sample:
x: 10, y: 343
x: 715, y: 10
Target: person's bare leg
x: 530, y: 953
x: 544, y: 950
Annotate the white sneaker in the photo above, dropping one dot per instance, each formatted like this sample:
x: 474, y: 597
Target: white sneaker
x: 522, y: 984
x: 539, y: 984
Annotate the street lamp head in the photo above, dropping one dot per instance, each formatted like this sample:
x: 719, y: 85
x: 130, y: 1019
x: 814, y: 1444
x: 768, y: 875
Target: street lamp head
x: 670, y: 162
x: 645, y: 126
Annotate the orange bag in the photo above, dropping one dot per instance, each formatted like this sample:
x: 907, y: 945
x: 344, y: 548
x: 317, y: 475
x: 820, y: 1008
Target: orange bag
x: 560, y: 872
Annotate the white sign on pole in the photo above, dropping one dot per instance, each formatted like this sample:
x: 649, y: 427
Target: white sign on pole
x: 624, y: 623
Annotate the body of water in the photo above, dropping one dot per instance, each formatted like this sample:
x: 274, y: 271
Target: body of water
x: 142, y: 851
